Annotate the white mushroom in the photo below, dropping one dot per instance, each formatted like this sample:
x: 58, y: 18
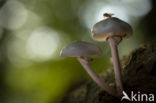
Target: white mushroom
x: 80, y: 49
x: 113, y: 30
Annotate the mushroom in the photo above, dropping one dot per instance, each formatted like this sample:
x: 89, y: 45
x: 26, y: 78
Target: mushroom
x: 81, y: 49
x: 113, y: 30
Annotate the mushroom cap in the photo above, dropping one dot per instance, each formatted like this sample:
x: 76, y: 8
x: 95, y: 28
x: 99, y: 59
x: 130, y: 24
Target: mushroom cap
x: 80, y: 48
x: 111, y: 27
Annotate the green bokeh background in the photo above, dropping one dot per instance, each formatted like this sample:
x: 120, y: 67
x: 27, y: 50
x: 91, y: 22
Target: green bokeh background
x: 25, y: 78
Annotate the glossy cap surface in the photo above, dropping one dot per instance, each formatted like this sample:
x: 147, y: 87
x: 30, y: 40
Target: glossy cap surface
x: 80, y: 48
x: 111, y: 27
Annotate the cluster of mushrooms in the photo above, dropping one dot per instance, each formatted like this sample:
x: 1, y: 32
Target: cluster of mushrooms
x: 111, y: 30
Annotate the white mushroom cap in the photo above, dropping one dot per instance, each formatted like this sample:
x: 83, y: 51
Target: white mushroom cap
x: 111, y: 27
x: 80, y: 48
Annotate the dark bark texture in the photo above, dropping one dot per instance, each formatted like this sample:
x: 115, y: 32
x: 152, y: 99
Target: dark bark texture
x: 138, y: 72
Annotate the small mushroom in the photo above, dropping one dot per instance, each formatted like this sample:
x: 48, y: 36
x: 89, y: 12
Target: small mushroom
x: 113, y: 30
x: 81, y: 49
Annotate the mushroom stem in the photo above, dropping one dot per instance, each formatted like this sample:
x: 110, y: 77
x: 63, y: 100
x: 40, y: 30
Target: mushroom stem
x: 96, y: 79
x: 113, y: 42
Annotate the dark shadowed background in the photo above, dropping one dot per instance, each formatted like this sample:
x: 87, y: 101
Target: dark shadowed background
x: 32, y: 33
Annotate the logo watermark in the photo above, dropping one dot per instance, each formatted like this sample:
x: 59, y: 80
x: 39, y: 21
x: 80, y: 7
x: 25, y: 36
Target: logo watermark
x: 137, y: 96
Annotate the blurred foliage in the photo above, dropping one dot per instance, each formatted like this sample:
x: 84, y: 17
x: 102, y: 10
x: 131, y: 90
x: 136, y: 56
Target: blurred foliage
x: 32, y: 34
x: 61, y: 15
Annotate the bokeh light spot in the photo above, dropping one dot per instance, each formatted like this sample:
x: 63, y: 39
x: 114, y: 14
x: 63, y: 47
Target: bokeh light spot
x: 42, y: 44
x: 13, y: 15
x: 124, y: 9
